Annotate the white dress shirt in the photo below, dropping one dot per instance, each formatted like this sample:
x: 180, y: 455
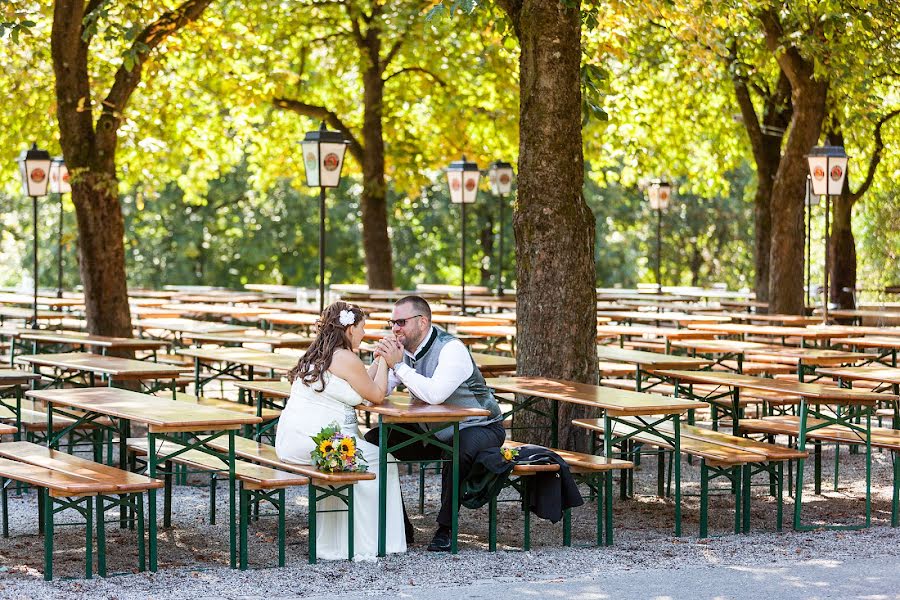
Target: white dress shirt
x: 454, y: 367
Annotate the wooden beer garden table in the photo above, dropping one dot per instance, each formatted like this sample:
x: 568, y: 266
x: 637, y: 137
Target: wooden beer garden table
x: 627, y: 332
x: 230, y: 361
x: 679, y: 318
x: 252, y: 336
x: 109, y: 368
x: 809, y: 393
x: 176, y: 328
x: 103, y: 343
x: 11, y: 381
x: 886, y: 345
x: 773, y: 331
x: 651, y: 411
x: 163, y: 418
x: 457, y: 320
x: 788, y: 320
x: 808, y: 359
x: 645, y: 362
x: 721, y: 350
x: 398, y: 412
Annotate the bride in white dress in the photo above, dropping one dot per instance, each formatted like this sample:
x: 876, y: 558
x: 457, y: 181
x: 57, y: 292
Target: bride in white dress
x: 328, y: 381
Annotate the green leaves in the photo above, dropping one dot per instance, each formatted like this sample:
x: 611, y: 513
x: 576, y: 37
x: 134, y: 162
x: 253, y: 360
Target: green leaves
x: 593, y: 81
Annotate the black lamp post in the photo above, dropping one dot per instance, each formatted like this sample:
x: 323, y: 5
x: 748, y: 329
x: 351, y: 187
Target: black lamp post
x: 34, y: 168
x: 811, y: 201
x: 658, y: 193
x: 827, y: 171
x: 323, y: 157
x: 462, y: 177
x: 501, y: 177
x: 59, y: 184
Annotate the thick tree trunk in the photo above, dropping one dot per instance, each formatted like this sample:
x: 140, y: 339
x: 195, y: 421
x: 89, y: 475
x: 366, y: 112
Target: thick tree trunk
x: 376, y: 243
x: 554, y: 228
x: 786, y: 256
x: 762, y: 213
x: 101, y: 231
x: 842, y: 248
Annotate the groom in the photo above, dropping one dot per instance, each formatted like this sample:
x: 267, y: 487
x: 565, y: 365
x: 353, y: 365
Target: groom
x: 437, y: 368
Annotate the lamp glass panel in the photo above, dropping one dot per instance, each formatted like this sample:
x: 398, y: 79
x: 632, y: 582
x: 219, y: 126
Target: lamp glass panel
x: 470, y: 186
x: 818, y: 170
x: 331, y: 162
x: 454, y: 182
x: 504, y: 180
x: 837, y: 172
x: 492, y: 179
x: 311, y: 162
x: 37, y: 177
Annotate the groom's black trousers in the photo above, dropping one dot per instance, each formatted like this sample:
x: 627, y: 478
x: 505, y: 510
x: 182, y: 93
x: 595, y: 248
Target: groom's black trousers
x: 472, y: 440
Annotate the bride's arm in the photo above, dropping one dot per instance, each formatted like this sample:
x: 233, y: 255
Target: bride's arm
x: 348, y: 366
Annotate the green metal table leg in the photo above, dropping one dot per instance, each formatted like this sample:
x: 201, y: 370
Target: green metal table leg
x: 704, y: 498
x: 608, y: 491
x: 738, y: 497
x: 89, y: 539
x: 244, y: 525
x: 492, y: 524
x: 454, y: 514
x: 382, y: 485
x: 151, y: 500
x: 676, y: 458
x: 895, y: 497
x: 232, y: 525
x: 567, y: 527
x: 312, y: 523
x: 351, y: 524
x: 526, y: 509
x: 142, y: 557
x: 779, y: 500
x: 801, y: 445
x: 746, y: 497
x: 101, y: 537
x: 48, y: 535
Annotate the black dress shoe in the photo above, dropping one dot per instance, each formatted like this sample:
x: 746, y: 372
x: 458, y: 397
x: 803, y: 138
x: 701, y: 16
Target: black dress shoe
x: 440, y: 542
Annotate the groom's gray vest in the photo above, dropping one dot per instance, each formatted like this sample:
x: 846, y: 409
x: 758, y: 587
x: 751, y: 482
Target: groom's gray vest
x: 472, y: 393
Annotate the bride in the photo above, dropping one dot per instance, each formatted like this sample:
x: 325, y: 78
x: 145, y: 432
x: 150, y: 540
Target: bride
x: 326, y: 385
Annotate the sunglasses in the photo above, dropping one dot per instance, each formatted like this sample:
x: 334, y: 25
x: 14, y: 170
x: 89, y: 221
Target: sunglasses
x: 402, y: 322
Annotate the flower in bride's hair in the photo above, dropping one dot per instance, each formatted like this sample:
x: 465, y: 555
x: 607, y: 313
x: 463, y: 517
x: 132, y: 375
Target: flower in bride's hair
x: 347, y: 317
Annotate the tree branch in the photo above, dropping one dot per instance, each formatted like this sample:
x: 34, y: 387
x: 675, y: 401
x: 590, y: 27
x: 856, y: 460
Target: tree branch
x: 323, y: 114
x: 875, y: 159
x: 127, y: 80
x: 416, y: 69
x: 797, y: 68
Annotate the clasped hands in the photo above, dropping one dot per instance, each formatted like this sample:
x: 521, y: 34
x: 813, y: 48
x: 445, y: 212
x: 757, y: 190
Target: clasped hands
x: 390, y: 349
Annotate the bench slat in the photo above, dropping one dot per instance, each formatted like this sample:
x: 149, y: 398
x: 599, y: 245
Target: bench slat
x: 581, y: 462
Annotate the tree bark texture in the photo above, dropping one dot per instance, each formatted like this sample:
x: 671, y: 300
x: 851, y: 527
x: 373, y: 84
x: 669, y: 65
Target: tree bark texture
x: 554, y: 228
x: 789, y: 188
x: 89, y: 150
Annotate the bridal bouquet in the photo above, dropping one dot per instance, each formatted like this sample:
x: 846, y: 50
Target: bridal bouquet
x: 335, y: 452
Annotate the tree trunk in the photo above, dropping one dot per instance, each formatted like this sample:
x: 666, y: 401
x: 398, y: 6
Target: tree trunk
x: 842, y: 248
x: 101, y: 231
x: 376, y: 243
x: 786, y: 258
x: 554, y: 228
x: 762, y: 214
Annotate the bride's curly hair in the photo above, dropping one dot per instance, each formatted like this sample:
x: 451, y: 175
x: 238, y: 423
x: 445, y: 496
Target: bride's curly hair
x: 330, y: 336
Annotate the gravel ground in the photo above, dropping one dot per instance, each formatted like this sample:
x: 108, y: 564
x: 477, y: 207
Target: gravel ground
x: 193, y: 555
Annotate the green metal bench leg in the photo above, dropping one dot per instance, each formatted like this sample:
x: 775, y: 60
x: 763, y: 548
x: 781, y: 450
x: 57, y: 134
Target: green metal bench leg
x: 47, y: 501
x: 312, y: 524
x: 676, y: 458
x: 167, y: 496
x: 704, y: 498
x: 142, y: 557
x: 746, y: 499
x: 837, y: 462
x: 567, y: 527
x: 779, y: 500
x: 213, y: 482
x: 89, y: 539
x: 661, y: 473
x: 421, y: 487
x: 101, y: 537
x: 282, y: 509
x: 602, y: 515
x: 244, y: 517
x: 526, y: 508
x: 817, y: 466
x: 738, y: 497
x: 492, y: 524
x: 5, y: 507
x: 350, y: 523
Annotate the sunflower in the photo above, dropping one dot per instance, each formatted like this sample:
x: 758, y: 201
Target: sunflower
x: 326, y: 446
x: 347, y: 447
x: 509, y: 453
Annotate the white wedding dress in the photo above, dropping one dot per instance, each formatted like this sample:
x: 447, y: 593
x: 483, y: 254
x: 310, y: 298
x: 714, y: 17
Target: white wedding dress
x: 307, y: 412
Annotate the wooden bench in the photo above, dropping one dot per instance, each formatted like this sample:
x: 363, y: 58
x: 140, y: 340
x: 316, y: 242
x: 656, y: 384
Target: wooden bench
x: 321, y: 485
x: 719, y: 400
x: 256, y: 483
x: 586, y: 468
x: 721, y: 456
x: 66, y: 481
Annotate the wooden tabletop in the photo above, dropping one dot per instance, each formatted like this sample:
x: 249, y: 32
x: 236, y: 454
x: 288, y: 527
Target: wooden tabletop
x: 400, y: 408
x: 765, y: 330
x: 484, y: 320
x: 720, y: 346
x: 28, y: 300
x: 672, y: 317
x: 16, y: 377
x: 15, y: 312
x: 810, y: 391
x: 272, y: 389
x: 809, y: 356
x: 110, y: 366
x: 491, y: 363
x: 799, y: 320
x: 870, y: 373
x: 219, y: 310
x: 617, y: 402
x: 308, y: 320
x: 256, y: 336
x: 874, y: 341
x: 488, y: 330
x: 651, y: 360
x: 646, y: 330
x: 157, y: 413
x: 188, y: 326
x: 243, y: 356
x: 76, y: 338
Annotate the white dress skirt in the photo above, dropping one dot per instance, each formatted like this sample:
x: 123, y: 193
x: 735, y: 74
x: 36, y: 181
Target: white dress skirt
x: 307, y: 412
